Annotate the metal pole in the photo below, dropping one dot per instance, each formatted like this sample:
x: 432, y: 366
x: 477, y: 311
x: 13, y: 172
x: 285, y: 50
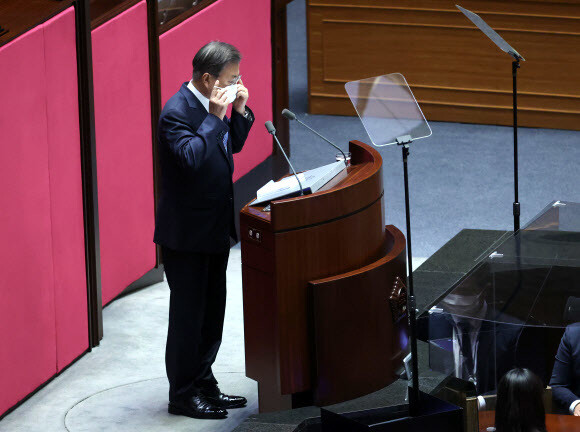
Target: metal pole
x: 516, y: 209
x: 89, y: 171
x: 411, y: 303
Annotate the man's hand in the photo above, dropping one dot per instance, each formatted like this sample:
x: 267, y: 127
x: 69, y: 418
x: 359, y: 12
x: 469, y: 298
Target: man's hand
x: 218, y: 101
x: 577, y: 410
x: 243, y: 95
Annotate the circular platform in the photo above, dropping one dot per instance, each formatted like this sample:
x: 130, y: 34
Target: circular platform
x: 142, y: 406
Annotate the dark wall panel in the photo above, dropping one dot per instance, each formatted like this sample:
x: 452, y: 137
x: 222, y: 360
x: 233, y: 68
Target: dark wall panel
x: 64, y: 159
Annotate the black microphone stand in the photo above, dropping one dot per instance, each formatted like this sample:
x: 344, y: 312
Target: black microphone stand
x: 404, y: 142
x: 323, y: 138
x: 516, y: 210
x: 272, y: 131
x: 291, y: 116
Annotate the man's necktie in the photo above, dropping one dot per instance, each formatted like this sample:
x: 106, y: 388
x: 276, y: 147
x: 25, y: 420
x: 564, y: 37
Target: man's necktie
x: 226, y: 141
x: 466, y: 351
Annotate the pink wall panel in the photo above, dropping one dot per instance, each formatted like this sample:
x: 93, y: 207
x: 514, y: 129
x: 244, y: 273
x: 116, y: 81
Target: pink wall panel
x: 124, y: 151
x: 245, y: 25
x: 64, y: 159
x: 27, y: 322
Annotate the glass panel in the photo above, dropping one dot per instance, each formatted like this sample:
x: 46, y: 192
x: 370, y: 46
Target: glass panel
x: 169, y: 9
x: 507, y: 297
x: 387, y: 109
x: 104, y: 10
x: 509, y: 311
x: 490, y: 33
x: 527, y: 278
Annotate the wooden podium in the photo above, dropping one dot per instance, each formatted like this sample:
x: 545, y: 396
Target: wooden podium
x: 324, y: 298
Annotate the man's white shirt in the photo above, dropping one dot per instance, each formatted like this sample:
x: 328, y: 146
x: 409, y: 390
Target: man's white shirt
x: 475, y: 326
x: 204, y: 101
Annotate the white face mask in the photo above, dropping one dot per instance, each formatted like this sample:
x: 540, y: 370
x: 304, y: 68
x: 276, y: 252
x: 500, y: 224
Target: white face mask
x: 231, y: 92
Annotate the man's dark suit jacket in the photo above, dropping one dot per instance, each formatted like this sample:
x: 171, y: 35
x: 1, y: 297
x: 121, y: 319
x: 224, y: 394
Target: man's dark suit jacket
x: 565, y: 380
x: 195, y: 212
x: 496, y: 353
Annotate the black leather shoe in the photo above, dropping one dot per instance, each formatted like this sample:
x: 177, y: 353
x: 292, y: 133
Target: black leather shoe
x: 217, y: 398
x: 197, y: 407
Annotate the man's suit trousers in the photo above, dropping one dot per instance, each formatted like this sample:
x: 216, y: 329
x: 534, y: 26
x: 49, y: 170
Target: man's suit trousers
x: 196, y: 316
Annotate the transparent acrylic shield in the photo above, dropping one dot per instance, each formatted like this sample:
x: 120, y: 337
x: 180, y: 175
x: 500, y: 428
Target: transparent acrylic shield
x: 388, y: 109
x: 491, y: 33
x: 529, y: 278
x: 510, y: 310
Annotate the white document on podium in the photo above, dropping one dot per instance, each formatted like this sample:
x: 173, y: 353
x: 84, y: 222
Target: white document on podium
x: 311, y: 180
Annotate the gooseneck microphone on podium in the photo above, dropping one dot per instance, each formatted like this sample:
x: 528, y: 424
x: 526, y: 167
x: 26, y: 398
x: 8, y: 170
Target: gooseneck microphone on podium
x: 272, y: 131
x: 291, y: 116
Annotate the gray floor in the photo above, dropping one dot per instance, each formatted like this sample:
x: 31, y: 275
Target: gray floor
x: 121, y: 385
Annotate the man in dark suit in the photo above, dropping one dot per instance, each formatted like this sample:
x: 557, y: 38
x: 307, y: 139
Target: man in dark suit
x: 195, y: 220
x: 479, y: 350
x: 565, y: 380
x: 469, y: 339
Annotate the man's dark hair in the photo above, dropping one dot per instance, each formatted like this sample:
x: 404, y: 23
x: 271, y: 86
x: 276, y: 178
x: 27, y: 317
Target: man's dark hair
x: 213, y: 57
x: 519, y: 404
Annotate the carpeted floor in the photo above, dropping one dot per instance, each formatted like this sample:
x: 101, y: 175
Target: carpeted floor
x: 460, y: 177
x: 121, y: 385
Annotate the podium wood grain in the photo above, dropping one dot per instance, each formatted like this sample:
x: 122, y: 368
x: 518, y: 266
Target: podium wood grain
x: 554, y: 422
x: 17, y: 18
x: 304, y: 239
x: 357, y: 342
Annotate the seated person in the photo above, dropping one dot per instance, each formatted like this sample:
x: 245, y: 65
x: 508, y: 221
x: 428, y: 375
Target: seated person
x: 565, y: 380
x: 519, y: 404
x: 481, y: 349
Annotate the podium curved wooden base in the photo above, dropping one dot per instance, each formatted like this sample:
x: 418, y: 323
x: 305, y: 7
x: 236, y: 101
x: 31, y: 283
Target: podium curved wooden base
x: 358, y: 341
x: 314, y: 267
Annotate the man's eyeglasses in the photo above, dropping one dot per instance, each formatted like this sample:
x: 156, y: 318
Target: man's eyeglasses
x: 234, y: 81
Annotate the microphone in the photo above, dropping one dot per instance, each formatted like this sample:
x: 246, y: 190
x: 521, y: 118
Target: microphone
x: 272, y: 131
x: 291, y: 116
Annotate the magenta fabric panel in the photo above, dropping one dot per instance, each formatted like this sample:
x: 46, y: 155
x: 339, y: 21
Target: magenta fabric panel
x: 66, y: 196
x: 124, y: 149
x: 245, y: 25
x: 27, y: 321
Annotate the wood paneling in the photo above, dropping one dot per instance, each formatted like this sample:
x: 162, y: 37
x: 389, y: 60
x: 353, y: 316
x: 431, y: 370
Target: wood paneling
x: 362, y: 187
x: 304, y: 239
x: 17, y: 18
x: 312, y: 253
x: 358, y: 344
x: 281, y: 98
x: 554, y: 422
x: 456, y: 72
x: 105, y: 10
